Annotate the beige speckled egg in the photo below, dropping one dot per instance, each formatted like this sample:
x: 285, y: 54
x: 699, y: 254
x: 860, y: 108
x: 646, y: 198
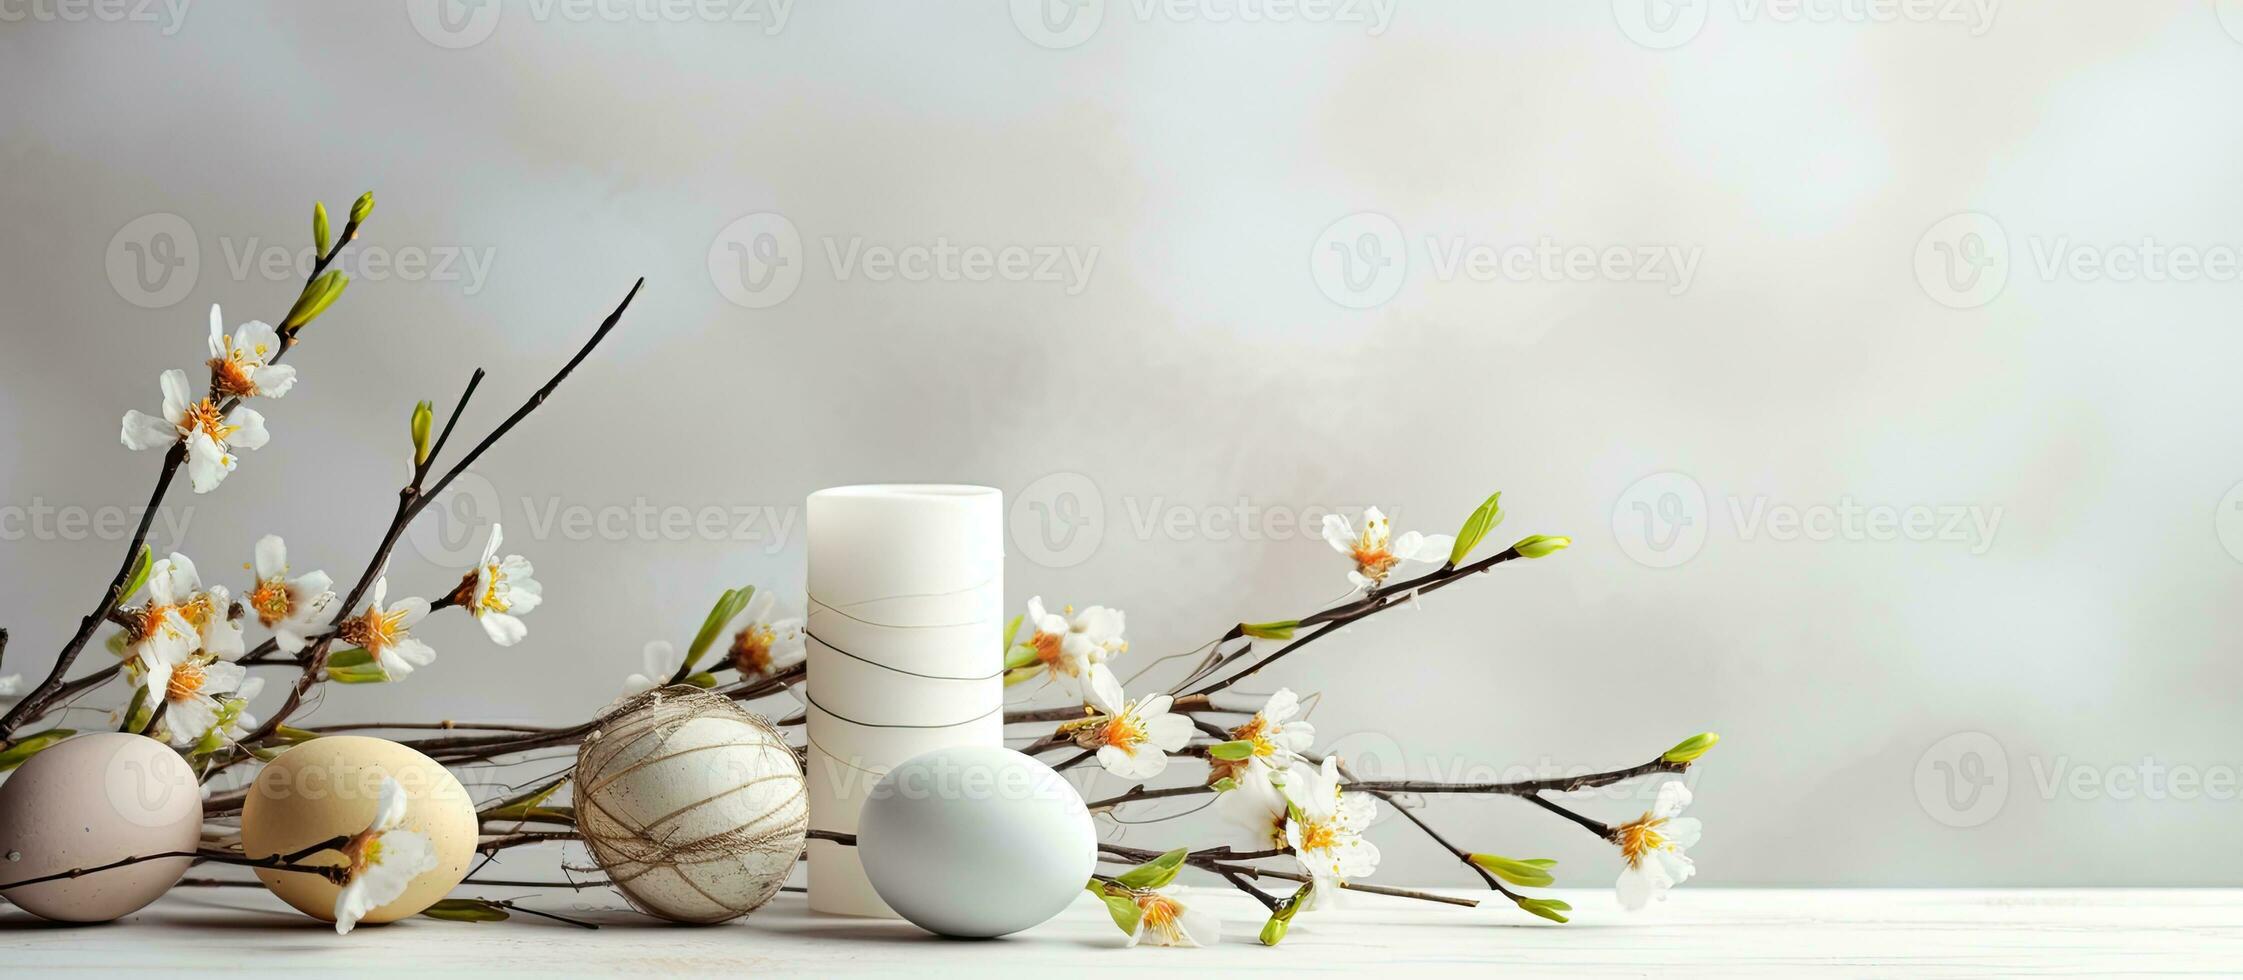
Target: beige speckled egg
x: 329, y: 787
x: 89, y: 801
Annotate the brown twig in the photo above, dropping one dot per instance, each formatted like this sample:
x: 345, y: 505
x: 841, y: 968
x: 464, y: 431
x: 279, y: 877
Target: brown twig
x: 283, y: 862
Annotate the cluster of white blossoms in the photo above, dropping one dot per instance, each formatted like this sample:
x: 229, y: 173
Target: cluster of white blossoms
x: 1283, y: 801
x: 181, y: 645
x: 241, y: 367
x: 1132, y: 738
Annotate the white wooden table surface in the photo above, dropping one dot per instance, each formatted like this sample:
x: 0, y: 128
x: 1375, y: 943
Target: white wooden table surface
x: 1700, y: 931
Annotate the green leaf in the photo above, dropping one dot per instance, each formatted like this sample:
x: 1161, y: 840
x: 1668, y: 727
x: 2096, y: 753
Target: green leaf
x: 1280, y: 630
x: 1233, y: 751
x: 31, y: 745
x: 720, y: 616
x: 424, y: 419
x: 320, y: 235
x: 1690, y: 749
x: 353, y: 657
x: 1123, y: 907
x: 295, y: 735
x: 215, y: 738
x: 1155, y: 873
x: 1012, y: 629
x: 362, y: 674
x: 1483, y: 519
x: 139, y: 577
x: 1019, y: 674
x: 1548, y: 908
x: 1273, y: 931
x: 136, y: 714
x: 1021, y: 656
x: 1525, y: 874
x: 516, y: 807
x: 703, y: 680
x: 1224, y: 785
x: 362, y: 207
x: 466, y: 910
x: 1541, y: 545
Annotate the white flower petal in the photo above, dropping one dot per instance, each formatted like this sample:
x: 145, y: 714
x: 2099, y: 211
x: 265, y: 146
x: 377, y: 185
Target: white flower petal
x: 504, y: 629
x: 1105, y: 690
x: 1338, y: 534
x: 207, y: 462
x: 145, y: 431
x: 272, y: 557
x: 389, y: 805
x: 251, y: 433
x: 176, y: 402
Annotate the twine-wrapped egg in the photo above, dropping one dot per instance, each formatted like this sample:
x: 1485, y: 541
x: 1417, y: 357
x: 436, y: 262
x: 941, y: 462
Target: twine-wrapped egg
x: 693, y: 806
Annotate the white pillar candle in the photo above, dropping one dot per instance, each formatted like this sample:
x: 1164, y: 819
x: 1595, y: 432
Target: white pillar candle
x: 906, y: 597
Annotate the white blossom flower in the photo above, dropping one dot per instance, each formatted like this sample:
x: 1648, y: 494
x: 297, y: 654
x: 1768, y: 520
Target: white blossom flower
x: 499, y: 592
x: 769, y: 642
x: 1376, y: 551
x: 1278, y: 738
x: 293, y: 609
x: 1325, y: 829
x: 384, y: 631
x: 175, y: 588
x: 384, y: 860
x: 1070, y: 643
x: 195, y: 692
x: 1653, y: 845
x: 661, y: 662
x: 242, y: 366
x: 1256, y: 801
x: 209, y: 436
x: 1133, y: 738
x: 1164, y: 921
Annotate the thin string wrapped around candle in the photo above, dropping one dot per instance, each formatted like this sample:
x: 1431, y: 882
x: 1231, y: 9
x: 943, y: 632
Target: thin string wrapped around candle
x: 822, y: 641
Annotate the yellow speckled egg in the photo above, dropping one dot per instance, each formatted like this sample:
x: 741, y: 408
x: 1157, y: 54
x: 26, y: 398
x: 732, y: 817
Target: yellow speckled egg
x: 329, y: 787
x: 89, y: 801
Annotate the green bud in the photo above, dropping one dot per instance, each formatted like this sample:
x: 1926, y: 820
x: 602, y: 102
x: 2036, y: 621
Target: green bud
x: 1021, y: 656
x: 1548, y: 908
x: 1540, y: 545
x: 1224, y: 785
x: 1234, y: 751
x: 703, y: 680
x: 318, y: 295
x: 1155, y: 873
x: 139, y: 577
x: 1525, y: 874
x: 1273, y: 931
x: 353, y: 657
x: 1690, y: 749
x: 361, y: 674
x: 1279, y: 630
x: 1483, y: 519
x: 424, y: 417
x: 362, y: 207
x: 1122, y: 907
x: 1012, y: 629
x: 320, y: 234
x: 1018, y: 675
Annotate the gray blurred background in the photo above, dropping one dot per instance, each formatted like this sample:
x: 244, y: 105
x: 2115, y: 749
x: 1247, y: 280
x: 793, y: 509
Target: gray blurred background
x: 1930, y: 516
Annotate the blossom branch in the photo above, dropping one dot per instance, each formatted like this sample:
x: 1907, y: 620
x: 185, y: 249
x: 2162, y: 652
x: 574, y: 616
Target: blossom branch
x: 282, y: 862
